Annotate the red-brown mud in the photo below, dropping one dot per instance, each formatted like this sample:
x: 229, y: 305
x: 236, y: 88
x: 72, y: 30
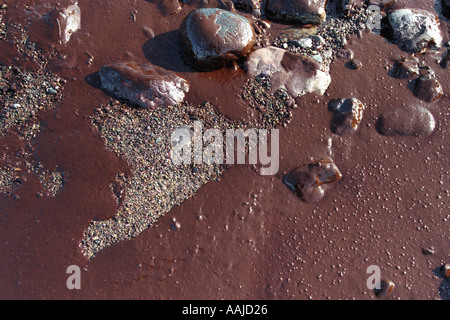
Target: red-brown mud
x: 246, y: 236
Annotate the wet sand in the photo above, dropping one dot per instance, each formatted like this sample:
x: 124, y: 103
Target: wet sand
x: 246, y: 236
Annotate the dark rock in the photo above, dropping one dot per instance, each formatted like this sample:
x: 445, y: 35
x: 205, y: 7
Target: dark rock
x: 428, y: 88
x: 297, y: 11
x: 386, y: 287
x: 144, y: 84
x: 253, y: 6
x: 355, y: 64
x: 339, y: 7
x: 406, y: 68
x: 446, y: 8
x: 406, y: 121
x: 310, y: 181
x: 347, y: 115
x: 213, y: 38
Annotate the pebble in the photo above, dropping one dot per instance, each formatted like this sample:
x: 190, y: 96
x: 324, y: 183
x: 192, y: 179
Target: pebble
x: 298, y: 74
x: 51, y: 91
x: 406, y: 121
x: 356, y: 64
x: 147, y: 85
x: 318, y: 58
x: 169, y: 7
x: 67, y: 20
x: 386, y: 288
x: 428, y: 88
x: 346, y: 55
x: 213, y: 38
x: 428, y: 251
x: 149, y: 34
x: 304, y: 43
x: 446, y: 270
x: 253, y: 6
x: 415, y: 29
x: 310, y: 181
x: 347, y: 115
x: 297, y: 11
x: 406, y: 68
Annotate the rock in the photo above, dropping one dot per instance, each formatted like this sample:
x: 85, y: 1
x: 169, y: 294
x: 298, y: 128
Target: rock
x: 148, y: 32
x: 355, y: 64
x: 304, y: 43
x: 169, y: 7
x: 339, y: 7
x: 346, y: 55
x: 144, y: 84
x: 213, y: 38
x: 347, y: 115
x: 253, y: 6
x: 297, y: 11
x: 428, y: 88
x: 311, y: 181
x: 406, y: 121
x: 446, y: 270
x: 415, y: 29
x: 446, y: 8
x: 406, y: 68
x: 298, y: 74
x: 64, y: 22
x: 386, y: 288
x: 428, y: 251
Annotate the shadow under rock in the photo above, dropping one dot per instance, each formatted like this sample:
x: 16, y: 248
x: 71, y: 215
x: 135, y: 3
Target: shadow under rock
x: 165, y: 51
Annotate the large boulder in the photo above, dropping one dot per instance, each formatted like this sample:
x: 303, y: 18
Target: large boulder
x: 213, y: 38
x: 297, y: 11
x: 298, y: 74
x: 415, y: 29
x: 146, y: 85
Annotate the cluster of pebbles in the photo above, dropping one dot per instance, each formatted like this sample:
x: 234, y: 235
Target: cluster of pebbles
x: 23, y: 95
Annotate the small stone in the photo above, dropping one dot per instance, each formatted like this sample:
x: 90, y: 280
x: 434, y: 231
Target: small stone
x: 297, y: 11
x: 311, y: 181
x: 51, y: 91
x: 213, y: 38
x: 406, y: 68
x: 253, y: 6
x: 304, y: 43
x: 149, y: 34
x: 415, y: 29
x: 176, y: 225
x: 356, y: 64
x: 169, y: 7
x: 428, y: 88
x: 144, y: 84
x: 446, y: 270
x: 406, y: 121
x: 318, y: 58
x: 67, y: 20
x: 319, y: 40
x: 386, y: 287
x: 347, y: 115
x: 428, y: 251
x: 346, y: 55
